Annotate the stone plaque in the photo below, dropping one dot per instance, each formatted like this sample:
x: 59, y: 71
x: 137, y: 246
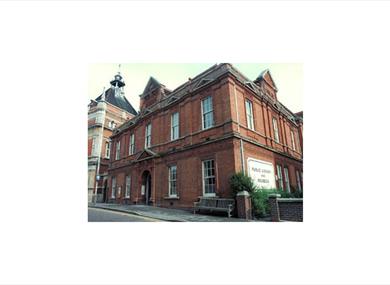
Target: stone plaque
x: 262, y: 173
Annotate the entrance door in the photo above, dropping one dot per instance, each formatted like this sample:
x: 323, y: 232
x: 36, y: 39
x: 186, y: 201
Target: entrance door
x: 146, y: 187
x: 105, y: 191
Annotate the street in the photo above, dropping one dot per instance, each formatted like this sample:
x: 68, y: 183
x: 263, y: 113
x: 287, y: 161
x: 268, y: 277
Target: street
x: 100, y: 215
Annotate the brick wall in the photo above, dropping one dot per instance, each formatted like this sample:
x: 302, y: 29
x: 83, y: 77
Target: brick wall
x: 286, y: 209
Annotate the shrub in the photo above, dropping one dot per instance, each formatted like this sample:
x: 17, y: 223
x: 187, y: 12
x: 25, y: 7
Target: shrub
x: 241, y: 182
x: 260, y: 204
x: 283, y: 194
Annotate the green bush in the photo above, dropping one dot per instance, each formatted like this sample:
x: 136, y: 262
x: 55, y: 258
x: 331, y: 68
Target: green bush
x: 241, y: 182
x: 260, y: 204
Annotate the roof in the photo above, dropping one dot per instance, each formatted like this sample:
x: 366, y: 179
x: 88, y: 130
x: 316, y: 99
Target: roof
x: 118, y: 101
x: 299, y: 114
x: 152, y: 85
x: 205, y: 78
x: 262, y: 77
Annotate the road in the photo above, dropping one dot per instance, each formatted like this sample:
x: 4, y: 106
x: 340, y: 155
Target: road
x: 100, y: 215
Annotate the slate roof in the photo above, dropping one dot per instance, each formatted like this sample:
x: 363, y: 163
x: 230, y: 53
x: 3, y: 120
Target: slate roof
x: 207, y: 77
x: 299, y: 116
x: 119, y: 101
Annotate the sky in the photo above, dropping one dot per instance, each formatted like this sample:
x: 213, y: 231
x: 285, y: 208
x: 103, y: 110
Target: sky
x: 288, y: 78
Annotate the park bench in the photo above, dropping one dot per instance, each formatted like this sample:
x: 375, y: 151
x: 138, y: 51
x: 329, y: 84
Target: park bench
x: 215, y: 204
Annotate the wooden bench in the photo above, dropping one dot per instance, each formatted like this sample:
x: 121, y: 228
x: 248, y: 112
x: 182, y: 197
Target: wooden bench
x: 215, y: 204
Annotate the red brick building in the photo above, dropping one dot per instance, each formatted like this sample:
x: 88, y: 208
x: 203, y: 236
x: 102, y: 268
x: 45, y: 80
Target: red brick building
x: 187, y: 143
x: 113, y: 109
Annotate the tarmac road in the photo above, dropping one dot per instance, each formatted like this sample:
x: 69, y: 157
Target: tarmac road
x: 101, y: 215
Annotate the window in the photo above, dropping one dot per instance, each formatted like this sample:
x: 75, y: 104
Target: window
x: 276, y: 130
x: 207, y: 113
x: 292, y: 139
x: 280, y: 176
x: 99, y: 117
x: 148, y: 135
x: 298, y: 180
x: 131, y: 145
x: 113, y: 187
x: 128, y: 183
x: 208, y: 178
x: 108, y: 148
x: 118, y: 150
x: 175, y: 126
x: 93, y: 146
x: 172, y: 181
x: 287, y: 180
x: 249, y: 114
x: 112, y: 125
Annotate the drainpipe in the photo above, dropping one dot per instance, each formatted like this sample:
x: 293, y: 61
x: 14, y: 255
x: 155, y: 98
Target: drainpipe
x: 238, y: 123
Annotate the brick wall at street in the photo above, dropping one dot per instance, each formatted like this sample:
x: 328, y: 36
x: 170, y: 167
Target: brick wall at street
x: 286, y: 209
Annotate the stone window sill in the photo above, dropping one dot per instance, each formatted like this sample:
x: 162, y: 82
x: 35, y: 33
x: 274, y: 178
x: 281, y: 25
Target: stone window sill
x: 172, y: 198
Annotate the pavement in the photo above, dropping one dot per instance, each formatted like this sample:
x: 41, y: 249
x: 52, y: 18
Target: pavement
x: 163, y: 214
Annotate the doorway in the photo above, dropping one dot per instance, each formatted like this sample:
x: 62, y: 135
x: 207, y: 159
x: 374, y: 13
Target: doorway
x: 146, y: 188
x: 105, y: 191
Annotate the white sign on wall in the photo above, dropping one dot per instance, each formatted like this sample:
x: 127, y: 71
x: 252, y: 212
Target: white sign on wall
x: 262, y: 173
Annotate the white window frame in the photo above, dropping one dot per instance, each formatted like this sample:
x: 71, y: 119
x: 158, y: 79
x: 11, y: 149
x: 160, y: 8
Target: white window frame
x: 249, y: 114
x: 108, y: 149
x: 276, y: 129
x: 175, y: 132
x: 207, y: 112
x: 128, y: 186
x: 208, y: 177
x: 113, y: 187
x: 148, y: 135
x: 93, y: 147
x: 99, y: 117
x: 112, y: 124
x: 298, y: 181
x: 280, y: 176
x: 170, y: 180
x: 292, y: 139
x: 118, y: 150
x: 131, y: 144
x: 287, y: 179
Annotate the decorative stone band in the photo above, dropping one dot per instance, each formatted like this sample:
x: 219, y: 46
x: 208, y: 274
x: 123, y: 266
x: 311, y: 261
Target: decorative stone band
x: 290, y: 200
x: 243, y: 193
